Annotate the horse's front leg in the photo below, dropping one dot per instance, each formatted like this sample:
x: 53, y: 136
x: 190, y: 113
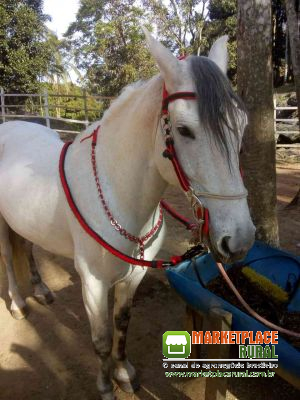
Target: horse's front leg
x: 95, y: 298
x: 124, y: 372
x: 41, y: 291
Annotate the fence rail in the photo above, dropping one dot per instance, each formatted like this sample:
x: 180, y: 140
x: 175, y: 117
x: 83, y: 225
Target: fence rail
x: 290, y: 121
x: 46, y: 109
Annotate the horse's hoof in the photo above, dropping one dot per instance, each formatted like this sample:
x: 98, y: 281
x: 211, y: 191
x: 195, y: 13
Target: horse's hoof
x: 129, y: 386
x: 108, y: 396
x: 105, y: 387
x: 20, y: 313
x: 44, y: 299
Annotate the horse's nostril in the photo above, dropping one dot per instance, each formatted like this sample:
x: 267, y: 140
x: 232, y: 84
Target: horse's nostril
x: 232, y: 248
x: 225, y: 245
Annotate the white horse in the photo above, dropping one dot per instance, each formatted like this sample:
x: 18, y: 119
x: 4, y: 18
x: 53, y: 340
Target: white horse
x: 133, y: 175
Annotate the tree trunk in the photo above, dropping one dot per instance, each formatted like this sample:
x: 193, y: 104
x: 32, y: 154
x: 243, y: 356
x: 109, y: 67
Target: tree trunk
x: 293, y: 22
x: 255, y: 86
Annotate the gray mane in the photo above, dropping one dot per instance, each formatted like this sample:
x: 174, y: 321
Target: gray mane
x: 218, y: 105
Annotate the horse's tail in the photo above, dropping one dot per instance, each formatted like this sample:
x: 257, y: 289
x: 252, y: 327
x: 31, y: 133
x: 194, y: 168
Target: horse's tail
x: 20, y: 260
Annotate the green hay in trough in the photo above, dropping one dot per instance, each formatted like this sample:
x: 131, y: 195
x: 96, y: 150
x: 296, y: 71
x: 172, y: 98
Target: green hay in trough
x: 269, y: 288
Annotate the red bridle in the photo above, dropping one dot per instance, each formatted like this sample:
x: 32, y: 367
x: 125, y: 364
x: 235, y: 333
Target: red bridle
x: 200, y: 212
x: 170, y: 150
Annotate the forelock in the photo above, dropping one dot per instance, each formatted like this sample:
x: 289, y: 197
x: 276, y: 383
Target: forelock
x: 218, y: 105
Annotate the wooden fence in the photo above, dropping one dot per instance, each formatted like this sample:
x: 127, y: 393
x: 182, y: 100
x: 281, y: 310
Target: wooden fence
x: 287, y: 120
x: 45, y: 108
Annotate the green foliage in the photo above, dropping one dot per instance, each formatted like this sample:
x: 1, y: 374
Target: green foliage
x: 109, y: 45
x: 24, y: 54
x: 222, y: 9
x: 179, y: 23
x: 223, y: 21
x: 66, y: 100
x: 71, y: 106
x: 56, y: 69
x: 279, y: 42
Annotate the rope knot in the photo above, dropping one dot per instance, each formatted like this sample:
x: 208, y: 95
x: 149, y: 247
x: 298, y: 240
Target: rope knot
x: 167, y: 154
x: 169, y: 141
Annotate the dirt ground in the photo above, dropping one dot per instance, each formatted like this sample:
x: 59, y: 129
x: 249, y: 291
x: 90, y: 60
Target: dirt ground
x: 49, y: 355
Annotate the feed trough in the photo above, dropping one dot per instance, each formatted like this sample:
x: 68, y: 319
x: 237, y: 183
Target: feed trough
x: 190, y: 280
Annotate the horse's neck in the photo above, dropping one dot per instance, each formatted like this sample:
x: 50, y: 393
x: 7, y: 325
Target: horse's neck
x: 130, y: 180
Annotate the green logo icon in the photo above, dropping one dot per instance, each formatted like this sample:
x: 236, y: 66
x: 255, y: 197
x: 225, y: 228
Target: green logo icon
x: 176, y: 344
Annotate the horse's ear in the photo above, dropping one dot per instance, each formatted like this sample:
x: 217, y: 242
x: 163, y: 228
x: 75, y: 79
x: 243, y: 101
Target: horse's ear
x: 219, y: 54
x: 167, y: 63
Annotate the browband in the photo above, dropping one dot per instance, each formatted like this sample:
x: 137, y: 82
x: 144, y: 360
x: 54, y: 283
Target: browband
x: 175, y: 96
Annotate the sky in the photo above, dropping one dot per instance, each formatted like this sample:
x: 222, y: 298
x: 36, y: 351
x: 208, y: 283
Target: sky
x: 62, y: 12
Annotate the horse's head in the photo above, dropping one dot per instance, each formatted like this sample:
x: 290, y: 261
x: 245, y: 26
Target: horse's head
x: 207, y: 134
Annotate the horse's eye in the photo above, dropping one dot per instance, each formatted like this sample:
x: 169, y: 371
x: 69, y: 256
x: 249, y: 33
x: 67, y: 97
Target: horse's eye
x: 186, y: 132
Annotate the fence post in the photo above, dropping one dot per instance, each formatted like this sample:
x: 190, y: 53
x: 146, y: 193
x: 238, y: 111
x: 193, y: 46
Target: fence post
x: 46, y: 107
x: 274, y: 100
x: 2, y: 105
x: 85, y: 108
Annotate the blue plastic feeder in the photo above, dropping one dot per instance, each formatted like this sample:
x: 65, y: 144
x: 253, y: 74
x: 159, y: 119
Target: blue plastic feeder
x: 283, y: 269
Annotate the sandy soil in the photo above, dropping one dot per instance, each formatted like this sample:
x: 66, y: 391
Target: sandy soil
x: 49, y: 356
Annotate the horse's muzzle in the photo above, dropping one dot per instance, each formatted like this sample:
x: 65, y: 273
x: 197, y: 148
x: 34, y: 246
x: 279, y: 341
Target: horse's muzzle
x: 230, y: 249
